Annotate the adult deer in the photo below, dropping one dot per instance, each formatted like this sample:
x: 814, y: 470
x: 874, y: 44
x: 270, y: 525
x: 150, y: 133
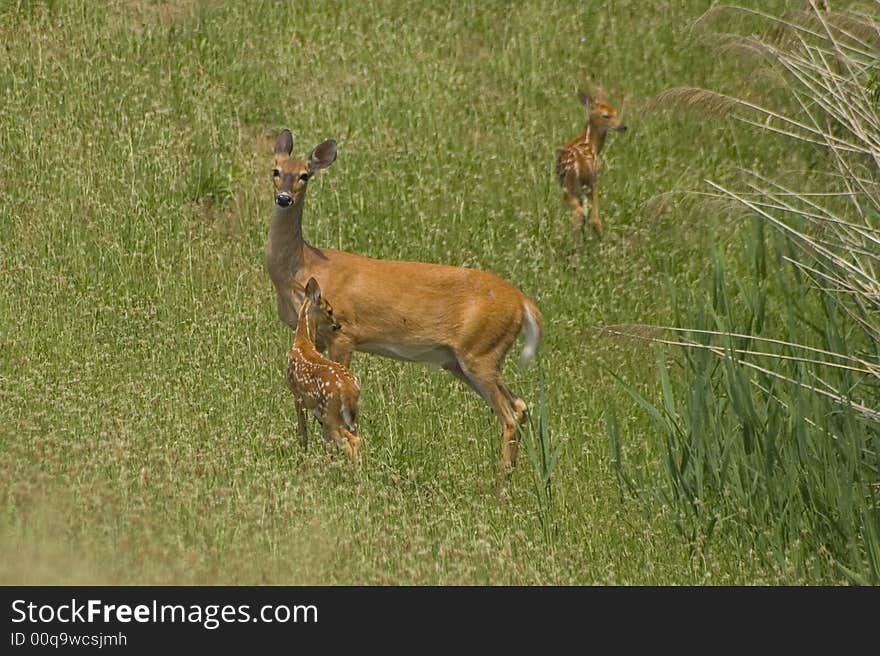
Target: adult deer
x: 464, y: 320
x: 330, y: 390
x: 578, y: 163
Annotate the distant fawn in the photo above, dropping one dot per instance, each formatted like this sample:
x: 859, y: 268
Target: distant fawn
x: 578, y: 163
x: 463, y: 320
x: 325, y: 387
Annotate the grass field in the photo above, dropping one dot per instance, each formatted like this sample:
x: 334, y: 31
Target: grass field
x: 146, y: 434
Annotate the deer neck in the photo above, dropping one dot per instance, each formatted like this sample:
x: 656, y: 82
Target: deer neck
x: 306, y: 327
x: 284, y: 248
x: 595, y: 137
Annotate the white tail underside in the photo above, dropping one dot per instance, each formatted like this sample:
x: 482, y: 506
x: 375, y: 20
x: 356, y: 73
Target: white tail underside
x: 532, y: 336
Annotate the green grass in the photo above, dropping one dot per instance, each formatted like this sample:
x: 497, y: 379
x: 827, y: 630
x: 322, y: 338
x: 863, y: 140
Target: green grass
x: 146, y: 435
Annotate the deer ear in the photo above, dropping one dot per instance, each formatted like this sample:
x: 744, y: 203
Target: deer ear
x: 599, y: 94
x: 284, y: 143
x: 323, y: 155
x: 313, y: 291
x: 585, y: 99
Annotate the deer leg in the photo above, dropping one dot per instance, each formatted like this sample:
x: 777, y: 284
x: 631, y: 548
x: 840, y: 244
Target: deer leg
x: 571, y: 192
x: 515, y: 410
x: 595, y: 221
x: 303, y: 427
x: 577, y: 211
x: 487, y: 381
x: 455, y: 369
x: 335, y: 431
x: 520, y: 409
x: 347, y: 427
x: 509, y: 429
x: 341, y: 349
x: 329, y: 437
x: 354, y: 444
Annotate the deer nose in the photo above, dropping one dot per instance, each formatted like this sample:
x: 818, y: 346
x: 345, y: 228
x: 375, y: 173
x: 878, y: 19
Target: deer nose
x: 622, y: 127
x: 283, y: 199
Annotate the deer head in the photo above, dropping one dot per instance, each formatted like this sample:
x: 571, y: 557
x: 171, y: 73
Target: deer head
x: 316, y: 310
x: 600, y: 114
x: 291, y: 176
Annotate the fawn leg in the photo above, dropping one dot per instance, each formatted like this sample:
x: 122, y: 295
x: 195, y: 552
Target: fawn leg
x: 571, y: 192
x: 577, y: 211
x: 334, y: 431
x: 354, y: 444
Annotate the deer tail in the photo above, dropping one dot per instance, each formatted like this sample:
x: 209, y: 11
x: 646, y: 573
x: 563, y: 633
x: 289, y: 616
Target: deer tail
x: 532, y: 331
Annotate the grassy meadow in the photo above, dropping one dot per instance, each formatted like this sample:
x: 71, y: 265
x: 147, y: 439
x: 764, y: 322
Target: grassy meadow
x: 146, y: 433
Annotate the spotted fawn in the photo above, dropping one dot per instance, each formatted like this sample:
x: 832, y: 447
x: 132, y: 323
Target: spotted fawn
x: 329, y: 389
x: 578, y: 163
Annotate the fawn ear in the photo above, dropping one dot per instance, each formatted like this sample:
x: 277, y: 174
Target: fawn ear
x: 323, y: 155
x: 284, y: 143
x: 599, y: 94
x: 313, y: 291
x: 585, y: 99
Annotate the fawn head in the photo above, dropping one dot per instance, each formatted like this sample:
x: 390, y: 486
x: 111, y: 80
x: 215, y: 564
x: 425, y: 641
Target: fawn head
x: 291, y: 176
x: 600, y: 113
x: 316, y: 308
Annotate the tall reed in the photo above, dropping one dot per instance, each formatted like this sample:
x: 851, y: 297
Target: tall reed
x: 772, y: 433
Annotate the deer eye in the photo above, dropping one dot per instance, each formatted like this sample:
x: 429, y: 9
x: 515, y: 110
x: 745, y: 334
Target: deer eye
x: 303, y: 176
x: 276, y: 173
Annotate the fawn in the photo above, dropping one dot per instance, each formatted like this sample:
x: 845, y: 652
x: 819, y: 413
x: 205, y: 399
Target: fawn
x: 330, y: 390
x: 578, y: 163
x: 464, y: 320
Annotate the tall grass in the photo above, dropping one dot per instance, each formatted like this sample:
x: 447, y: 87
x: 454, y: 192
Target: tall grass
x: 772, y: 428
x: 544, y: 457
